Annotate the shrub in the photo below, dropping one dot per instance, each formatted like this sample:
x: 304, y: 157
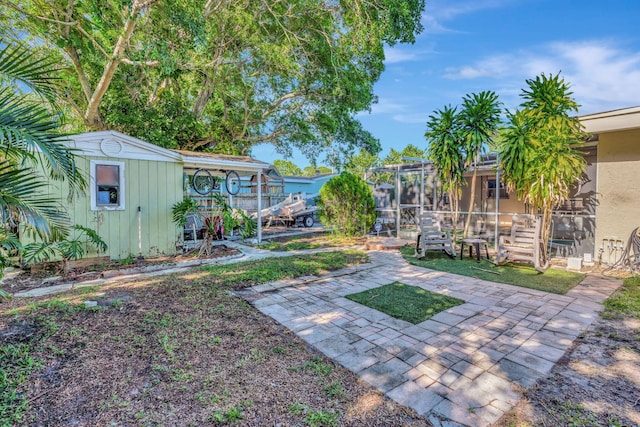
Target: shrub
x: 346, y: 203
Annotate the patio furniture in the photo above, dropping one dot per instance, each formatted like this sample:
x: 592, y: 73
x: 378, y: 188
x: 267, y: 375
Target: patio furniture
x: 431, y: 237
x: 474, y: 243
x: 523, y: 244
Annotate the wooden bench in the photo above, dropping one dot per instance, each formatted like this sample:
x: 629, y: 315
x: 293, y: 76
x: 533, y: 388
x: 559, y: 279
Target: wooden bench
x: 432, y: 237
x: 523, y: 244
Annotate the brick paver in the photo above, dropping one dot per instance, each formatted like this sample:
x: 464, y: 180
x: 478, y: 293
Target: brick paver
x: 462, y: 367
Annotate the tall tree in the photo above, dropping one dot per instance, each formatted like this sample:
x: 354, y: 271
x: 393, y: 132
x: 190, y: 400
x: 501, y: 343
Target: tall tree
x: 446, y: 153
x: 221, y: 74
x: 30, y: 140
x: 396, y: 157
x: 479, y: 120
x: 315, y: 170
x: 539, y: 149
x: 287, y: 167
x: 359, y: 164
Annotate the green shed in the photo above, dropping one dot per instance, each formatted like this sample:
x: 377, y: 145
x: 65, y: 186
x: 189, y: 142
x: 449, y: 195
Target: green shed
x: 132, y: 186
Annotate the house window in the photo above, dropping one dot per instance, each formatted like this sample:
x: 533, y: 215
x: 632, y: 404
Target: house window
x: 491, y: 190
x: 107, y: 185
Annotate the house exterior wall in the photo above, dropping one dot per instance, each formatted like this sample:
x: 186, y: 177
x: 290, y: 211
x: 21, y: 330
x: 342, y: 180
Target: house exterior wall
x: 309, y: 185
x: 618, y: 208
x: 154, y: 186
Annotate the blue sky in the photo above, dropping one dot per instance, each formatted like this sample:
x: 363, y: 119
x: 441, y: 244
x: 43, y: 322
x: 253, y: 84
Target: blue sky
x: 469, y: 46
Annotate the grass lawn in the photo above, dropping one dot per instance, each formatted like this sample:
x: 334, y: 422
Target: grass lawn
x: 308, y: 241
x: 553, y: 280
x: 410, y: 303
x: 625, y: 302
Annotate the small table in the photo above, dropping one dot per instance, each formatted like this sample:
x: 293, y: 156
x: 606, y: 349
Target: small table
x: 474, y: 243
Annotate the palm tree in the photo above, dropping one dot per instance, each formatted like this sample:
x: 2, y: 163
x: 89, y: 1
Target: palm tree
x: 445, y: 151
x: 479, y: 120
x: 30, y: 140
x: 538, y: 152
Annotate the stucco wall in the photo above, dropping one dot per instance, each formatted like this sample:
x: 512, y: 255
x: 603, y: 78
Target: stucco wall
x: 618, y: 210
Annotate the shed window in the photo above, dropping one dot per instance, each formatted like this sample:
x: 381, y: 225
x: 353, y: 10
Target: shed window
x: 491, y: 190
x: 107, y: 190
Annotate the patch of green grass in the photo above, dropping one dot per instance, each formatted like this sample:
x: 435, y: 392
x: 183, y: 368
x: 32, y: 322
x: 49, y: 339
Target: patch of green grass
x: 405, y: 302
x: 17, y: 364
x: 315, y: 418
x: 307, y: 241
x: 288, y: 246
x: 321, y: 418
x: 553, y: 280
x: 625, y: 302
x: 271, y: 269
x: 231, y: 415
x: 317, y: 366
x: 335, y: 389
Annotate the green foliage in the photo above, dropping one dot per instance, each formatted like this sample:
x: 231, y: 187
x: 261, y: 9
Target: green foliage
x: 625, y: 302
x: 29, y: 136
x: 17, y: 364
x: 287, y: 167
x: 233, y: 219
x: 446, y: 153
x: 538, y: 149
x: 479, y: 119
x: 67, y: 249
x: 181, y: 209
x: 410, y: 303
x: 346, y: 203
x: 359, y: 164
x: 395, y: 157
x: 315, y: 170
x: 222, y: 76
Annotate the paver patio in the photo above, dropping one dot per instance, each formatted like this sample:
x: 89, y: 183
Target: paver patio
x: 463, y: 366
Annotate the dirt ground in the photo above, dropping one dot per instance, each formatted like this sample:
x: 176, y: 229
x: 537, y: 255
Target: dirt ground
x: 183, y: 351
x: 17, y: 280
x: 179, y: 350
x: 596, y: 383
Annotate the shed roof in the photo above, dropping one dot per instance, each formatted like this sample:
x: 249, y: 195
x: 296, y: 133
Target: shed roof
x: 196, y: 160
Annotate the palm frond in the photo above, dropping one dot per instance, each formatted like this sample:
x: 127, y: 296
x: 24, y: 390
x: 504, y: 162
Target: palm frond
x: 29, y: 130
x: 94, y: 238
x: 19, y: 63
x: 38, y: 252
x: 21, y: 190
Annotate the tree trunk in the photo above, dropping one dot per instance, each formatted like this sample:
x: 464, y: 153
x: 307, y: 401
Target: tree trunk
x: 92, y: 116
x: 472, y: 200
x: 545, y: 232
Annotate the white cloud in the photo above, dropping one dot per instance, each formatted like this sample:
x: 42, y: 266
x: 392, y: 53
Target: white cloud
x: 438, y: 13
x: 394, y: 55
x: 397, y: 54
x: 411, y: 118
x: 602, y: 75
x: 384, y: 106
